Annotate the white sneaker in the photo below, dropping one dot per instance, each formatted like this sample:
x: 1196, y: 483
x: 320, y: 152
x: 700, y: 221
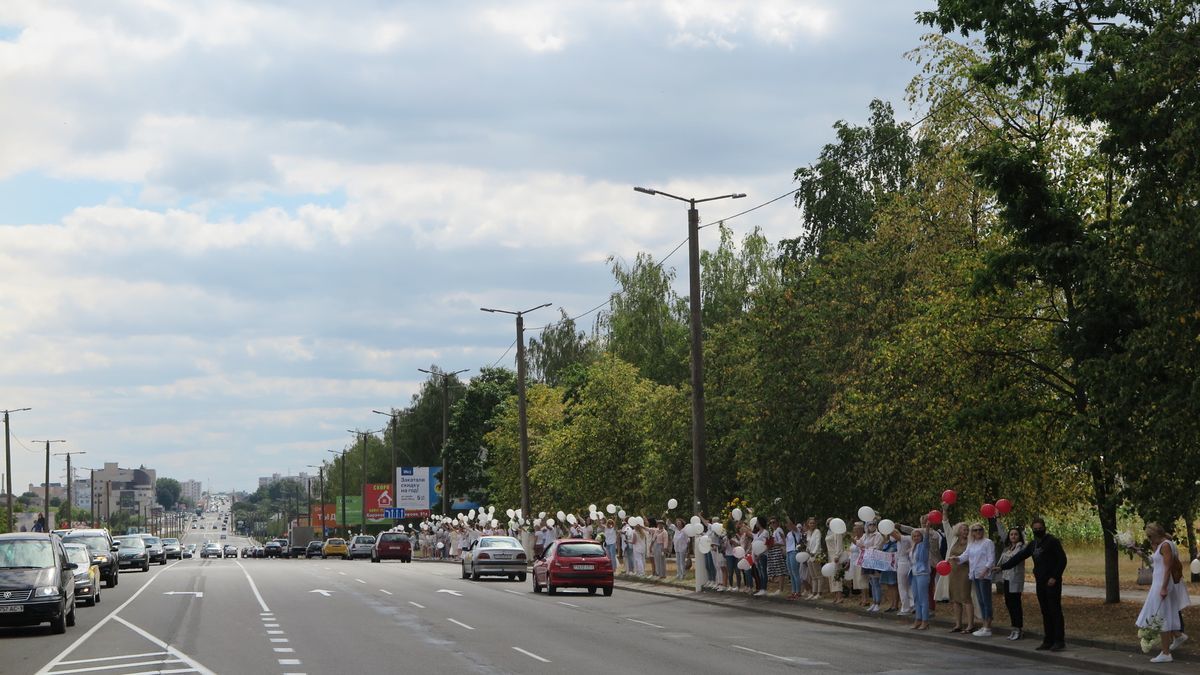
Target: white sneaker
x: 873, y: 608
x: 1178, y: 642
x: 903, y: 612
x: 1162, y: 658
x: 983, y: 632
x: 760, y: 593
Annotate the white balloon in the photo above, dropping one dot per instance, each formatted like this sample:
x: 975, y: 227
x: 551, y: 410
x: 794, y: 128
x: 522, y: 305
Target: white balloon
x: 591, y: 508
x: 571, y: 518
x: 495, y: 523
x: 672, y: 503
x: 542, y: 515
x: 802, y: 557
x: 537, y: 522
x: 510, y: 513
x: 737, y: 514
x: 491, y: 509
x: 621, y: 514
x: 739, y: 552
x: 441, y: 545
x: 753, y: 521
x: 866, y: 514
x: 743, y: 564
x: 471, y: 514
x: 695, y: 520
x: 550, y: 522
x: 611, y: 508
x: 828, y: 570
x: 837, y: 526
x: 561, y: 515
x: 1196, y: 566
x: 758, y: 546
x: 717, y: 529
x: 595, y: 515
x: 886, y: 527
x: 519, y: 514
x: 693, y: 530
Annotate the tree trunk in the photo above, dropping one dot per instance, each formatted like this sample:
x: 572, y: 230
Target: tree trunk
x: 1107, y: 509
x: 1190, y: 523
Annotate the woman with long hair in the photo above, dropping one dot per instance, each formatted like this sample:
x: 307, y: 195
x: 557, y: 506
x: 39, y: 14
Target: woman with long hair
x: 919, y: 569
x: 1014, y: 581
x: 959, y: 583
x: 979, y: 557
x: 1164, y: 600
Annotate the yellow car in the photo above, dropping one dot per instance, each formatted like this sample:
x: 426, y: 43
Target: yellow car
x: 335, y: 547
x: 87, y: 574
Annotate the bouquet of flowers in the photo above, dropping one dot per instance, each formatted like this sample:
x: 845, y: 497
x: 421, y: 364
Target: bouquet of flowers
x: 1149, y: 635
x: 1128, y: 544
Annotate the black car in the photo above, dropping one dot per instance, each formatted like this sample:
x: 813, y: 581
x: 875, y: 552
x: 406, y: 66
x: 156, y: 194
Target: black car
x: 273, y: 549
x: 37, y: 581
x: 131, y: 552
x: 314, y: 549
x: 155, y: 549
x: 100, y: 544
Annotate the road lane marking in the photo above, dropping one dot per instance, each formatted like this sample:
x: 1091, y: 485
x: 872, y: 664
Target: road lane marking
x: 342, y: 573
x: 110, y: 658
x: 289, y: 662
x: 266, y: 613
x: 275, y: 632
x: 755, y: 651
x: 385, y: 591
x: 162, y: 672
x: 360, y: 581
x: 284, y: 650
x: 261, y: 602
x: 644, y: 623
x: 162, y: 645
x: 322, y: 591
x: 279, y: 639
x: 416, y: 604
x: 509, y: 590
x: 567, y: 604
x: 121, y: 665
x: 270, y: 625
x: 531, y: 655
x: 460, y: 623
x: 82, y: 638
x: 456, y: 594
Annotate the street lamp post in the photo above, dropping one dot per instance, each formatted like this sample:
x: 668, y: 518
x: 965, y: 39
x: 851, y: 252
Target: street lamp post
x: 362, y: 435
x: 70, y: 480
x: 445, y: 431
x: 521, y: 419
x: 321, y: 473
x: 699, y: 479
x: 46, y: 505
x: 8, y: 466
x: 394, y: 420
x: 342, y: 454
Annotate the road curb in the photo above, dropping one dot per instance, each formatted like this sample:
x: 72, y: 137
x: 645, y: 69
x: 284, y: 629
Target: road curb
x: 1111, y: 662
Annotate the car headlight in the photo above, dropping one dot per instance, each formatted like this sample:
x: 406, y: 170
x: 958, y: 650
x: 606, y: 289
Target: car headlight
x: 101, y: 559
x: 47, y: 591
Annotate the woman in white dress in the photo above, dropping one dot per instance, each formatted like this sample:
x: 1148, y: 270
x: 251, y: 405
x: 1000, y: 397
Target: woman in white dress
x: 1164, y: 600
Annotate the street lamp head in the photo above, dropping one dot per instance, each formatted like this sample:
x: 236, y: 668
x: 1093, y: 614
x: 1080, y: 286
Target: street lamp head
x: 739, y: 195
x: 485, y: 309
x: 647, y: 191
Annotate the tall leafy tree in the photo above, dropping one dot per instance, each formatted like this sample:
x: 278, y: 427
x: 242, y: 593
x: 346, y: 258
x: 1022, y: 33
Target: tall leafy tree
x: 647, y: 322
x: 559, y: 347
x: 472, y: 419
x: 167, y: 491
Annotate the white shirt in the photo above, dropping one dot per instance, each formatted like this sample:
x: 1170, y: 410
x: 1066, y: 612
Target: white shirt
x: 981, y: 556
x: 814, y: 542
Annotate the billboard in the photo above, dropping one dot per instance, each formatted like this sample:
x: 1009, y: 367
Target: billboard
x: 418, y: 490
x: 378, y: 497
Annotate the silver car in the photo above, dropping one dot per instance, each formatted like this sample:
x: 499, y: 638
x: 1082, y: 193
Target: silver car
x: 494, y: 556
x: 361, y: 546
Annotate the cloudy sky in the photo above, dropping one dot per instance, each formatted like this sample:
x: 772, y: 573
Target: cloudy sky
x: 228, y: 230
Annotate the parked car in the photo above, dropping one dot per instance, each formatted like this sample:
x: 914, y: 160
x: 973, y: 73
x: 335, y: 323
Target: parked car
x: 131, y: 552
x: 154, y: 548
x: 273, y: 549
x: 100, y: 545
x: 573, y: 563
x: 335, y: 547
x: 87, y: 574
x: 314, y: 549
x: 230, y: 551
x: 361, y: 546
x: 494, y: 556
x: 392, y: 546
x: 211, y: 551
x: 172, y: 549
x: 37, y: 581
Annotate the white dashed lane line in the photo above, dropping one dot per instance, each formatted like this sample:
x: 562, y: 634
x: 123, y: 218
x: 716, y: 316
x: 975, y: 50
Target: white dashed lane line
x: 383, y: 590
x: 456, y: 621
x: 567, y: 604
x: 644, y: 623
x: 360, y: 581
x: 416, y: 604
x: 531, y: 655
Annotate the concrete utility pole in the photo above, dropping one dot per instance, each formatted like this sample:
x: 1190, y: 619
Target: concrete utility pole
x: 445, y: 431
x: 362, y: 436
x: 46, y: 505
x: 8, y: 466
x: 342, y: 455
x: 524, y: 433
x: 321, y: 509
x: 70, y: 480
x: 699, y: 475
x: 394, y: 420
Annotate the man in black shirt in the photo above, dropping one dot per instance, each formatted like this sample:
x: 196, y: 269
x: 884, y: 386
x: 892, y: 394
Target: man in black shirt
x: 1049, y: 563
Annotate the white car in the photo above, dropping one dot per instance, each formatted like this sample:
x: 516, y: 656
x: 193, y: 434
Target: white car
x: 494, y: 556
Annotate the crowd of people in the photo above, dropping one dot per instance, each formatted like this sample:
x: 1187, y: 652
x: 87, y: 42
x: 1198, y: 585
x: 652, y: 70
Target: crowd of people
x: 885, y: 567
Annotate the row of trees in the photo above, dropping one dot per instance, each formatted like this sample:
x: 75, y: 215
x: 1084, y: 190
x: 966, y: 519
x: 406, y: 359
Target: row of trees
x: 1003, y: 301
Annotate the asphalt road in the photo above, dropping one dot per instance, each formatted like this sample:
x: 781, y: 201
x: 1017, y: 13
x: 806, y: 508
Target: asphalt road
x: 335, y: 616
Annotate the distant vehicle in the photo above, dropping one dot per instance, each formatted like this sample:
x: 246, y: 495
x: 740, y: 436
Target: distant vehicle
x: 361, y: 546
x: 230, y: 551
x: 39, y: 582
x: 335, y: 547
x: 259, y: 552
x: 100, y: 544
x: 313, y: 550
x: 154, y: 548
x: 494, y: 556
x: 188, y: 551
x: 131, y: 552
x: 573, y: 563
x: 211, y: 551
x: 224, y: 537
x: 247, y: 551
x: 87, y: 574
x: 172, y: 549
x: 392, y: 546
x: 273, y: 549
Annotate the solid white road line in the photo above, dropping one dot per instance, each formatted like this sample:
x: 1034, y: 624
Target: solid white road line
x: 385, y: 591
x: 254, y: 588
x: 460, y: 623
x: 270, y: 625
x: 161, y: 672
x: 275, y: 632
x: 114, y: 666
x: 80, y: 640
x: 531, y: 655
x: 567, y: 604
x: 644, y: 623
x: 110, y: 658
x: 360, y: 581
x: 416, y: 604
x: 755, y: 651
x: 162, y: 645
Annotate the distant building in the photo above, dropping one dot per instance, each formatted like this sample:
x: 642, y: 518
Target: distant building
x: 128, y: 490
x: 57, y: 491
x: 304, y: 480
x: 192, y: 490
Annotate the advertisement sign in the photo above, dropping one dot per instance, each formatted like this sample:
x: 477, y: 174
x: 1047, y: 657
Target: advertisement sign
x: 327, y: 519
x: 378, y: 499
x: 418, y: 490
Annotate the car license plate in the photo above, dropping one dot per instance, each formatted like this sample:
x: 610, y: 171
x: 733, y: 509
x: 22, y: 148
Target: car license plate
x: 12, y: 609
x: 585, y: 567
x: 503, y: 556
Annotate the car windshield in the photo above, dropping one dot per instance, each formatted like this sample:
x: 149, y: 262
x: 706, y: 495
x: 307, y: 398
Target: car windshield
x: 364, y: 540
x: 152, y: 541
x: 94, y: 542
x: 25, y: 553
x: 79, y: 555
x: 393, y: 536
x: 581, y: 550
x: 499, y: 542
x: 133, y: 542
x: 170, y: 542
x: 337, y: 542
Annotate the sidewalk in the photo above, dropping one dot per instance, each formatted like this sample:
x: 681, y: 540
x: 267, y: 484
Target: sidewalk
x: 1083, y: 654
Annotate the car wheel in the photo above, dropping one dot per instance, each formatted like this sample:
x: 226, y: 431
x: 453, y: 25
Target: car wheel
x: 536, y: 587
x: 58, y: 625
x: 521, y: 577
x: 374, y: 560
x: 607, y: 591
x: 71, y: 615
x: 474, y: 574
x: 591, y: 590
x: 146, y: 566
x: 464, y: 571
x: 550, y: 588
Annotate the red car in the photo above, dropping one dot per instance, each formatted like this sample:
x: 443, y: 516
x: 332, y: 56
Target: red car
x: 392, y: 545
x: 573, y: 563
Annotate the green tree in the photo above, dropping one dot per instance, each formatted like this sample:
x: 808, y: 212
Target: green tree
x: 471, y: 420
x: 167, y: 491
x: 544, y: 413
x: 647, y: 323
x: 559, y: 347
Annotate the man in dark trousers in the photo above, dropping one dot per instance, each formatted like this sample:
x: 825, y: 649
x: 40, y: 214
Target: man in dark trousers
x: 1049, y: 563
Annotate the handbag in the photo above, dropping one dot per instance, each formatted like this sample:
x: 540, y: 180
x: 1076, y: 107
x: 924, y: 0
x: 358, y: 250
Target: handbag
x: 1145, y: 576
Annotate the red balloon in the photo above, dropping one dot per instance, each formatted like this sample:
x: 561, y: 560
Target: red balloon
x: 987, y: 511
x: 943, y: 568
x: 1003, y: 506
x: 949, y: 496
x: 935, y: 517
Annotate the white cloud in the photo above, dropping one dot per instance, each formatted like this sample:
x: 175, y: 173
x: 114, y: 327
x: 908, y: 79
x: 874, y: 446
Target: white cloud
x: 721, y: 23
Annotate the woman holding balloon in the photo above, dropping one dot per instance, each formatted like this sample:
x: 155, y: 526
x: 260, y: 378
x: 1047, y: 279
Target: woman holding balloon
x: 835, y: 553
x: 958, y: 581
x: 920, y: 570
x: 978, y: 557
